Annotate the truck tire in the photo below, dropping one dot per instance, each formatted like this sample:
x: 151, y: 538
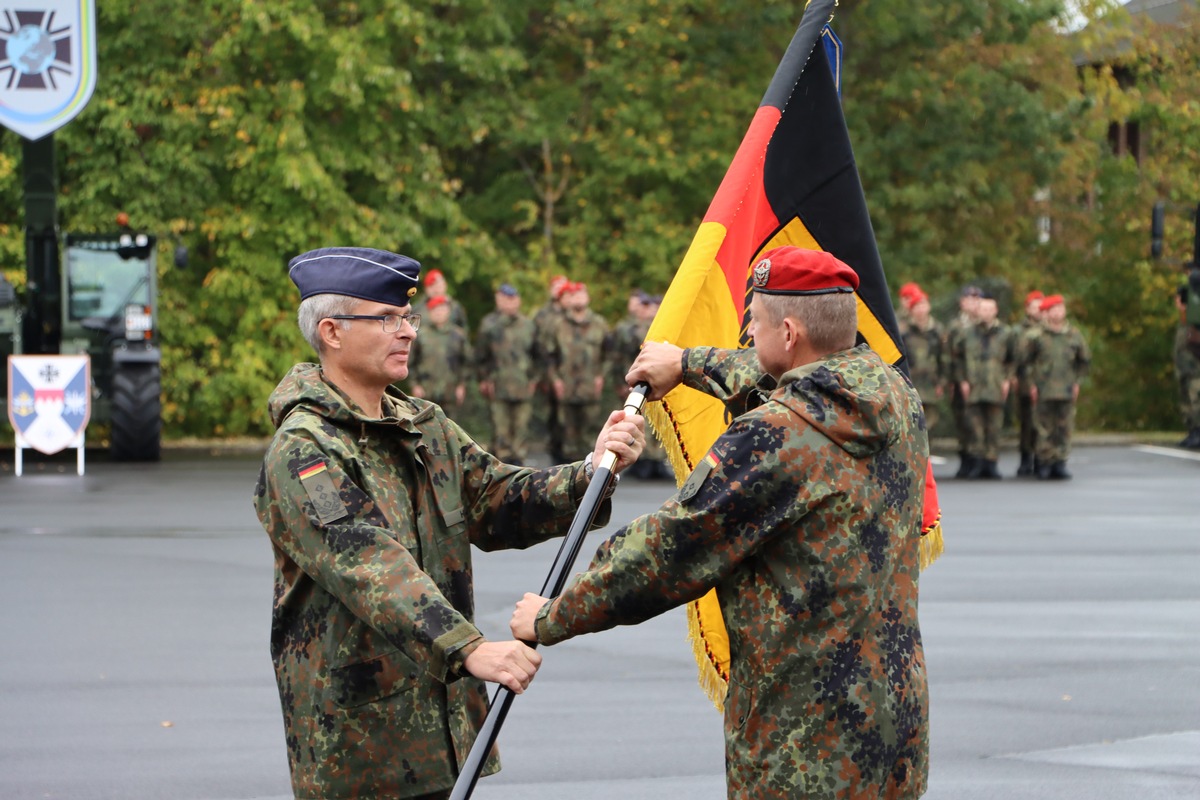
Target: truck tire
x: 136, y: 412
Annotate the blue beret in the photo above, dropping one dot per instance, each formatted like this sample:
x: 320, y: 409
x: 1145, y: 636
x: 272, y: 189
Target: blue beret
x: 508, y: 290
x: 360, y: 272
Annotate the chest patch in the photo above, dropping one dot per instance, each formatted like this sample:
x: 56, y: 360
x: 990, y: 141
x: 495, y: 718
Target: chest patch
x: 697, y: 478
x: 326, y: 501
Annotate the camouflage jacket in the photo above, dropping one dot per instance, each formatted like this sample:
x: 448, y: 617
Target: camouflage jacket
x: 924, y: 350
x: 576, y: 355
x: 984, y: 357
x: 371, y: 521
x: 622, y: 347
x: 1021, y: 332
x: 1057, y: 360
x: 504, y: 353
x: 806, y: 517
x: 544, y: 321
x: 441, y: 358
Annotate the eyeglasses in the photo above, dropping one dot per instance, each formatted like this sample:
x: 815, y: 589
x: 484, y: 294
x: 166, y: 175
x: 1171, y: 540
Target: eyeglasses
x: 391, y: 322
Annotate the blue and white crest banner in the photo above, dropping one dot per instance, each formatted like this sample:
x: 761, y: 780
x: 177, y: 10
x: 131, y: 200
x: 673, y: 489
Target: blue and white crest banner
x: 49, y: 400
x: 47, y: 63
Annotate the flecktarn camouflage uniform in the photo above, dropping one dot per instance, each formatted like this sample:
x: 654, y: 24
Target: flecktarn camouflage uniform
x: 806, y: 517
x: 984, y: 356
x: 441, y: 359
x: 371, y: 521
x: 1187, y: 372
x: 504, y: 355
x: 924, y: 347
x: 1057, y: 362
x: 576, y: 358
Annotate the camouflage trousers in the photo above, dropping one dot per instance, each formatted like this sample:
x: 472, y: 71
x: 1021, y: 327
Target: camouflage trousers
x: 962, y: 427
x: 1055, y: 423
x: 983, y: 423
x: 1187, y: 372
x: 578, y: 422
x: 1027, y: 424
x: 510, y: 429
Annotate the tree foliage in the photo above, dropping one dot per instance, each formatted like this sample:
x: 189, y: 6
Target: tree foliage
x: 510, y: 140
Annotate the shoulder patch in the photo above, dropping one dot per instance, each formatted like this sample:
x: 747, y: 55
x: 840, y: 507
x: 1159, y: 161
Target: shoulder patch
x: 692, y: 485
x: 326, y: 501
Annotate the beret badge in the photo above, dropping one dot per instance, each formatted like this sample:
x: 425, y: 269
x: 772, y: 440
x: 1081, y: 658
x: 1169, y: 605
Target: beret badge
x: 762, y: 273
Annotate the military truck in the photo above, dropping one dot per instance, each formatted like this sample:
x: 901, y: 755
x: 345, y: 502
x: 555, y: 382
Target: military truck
x: 103, y: 302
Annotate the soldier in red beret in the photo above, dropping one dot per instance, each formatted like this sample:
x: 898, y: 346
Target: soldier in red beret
x: 1026, y: 328
x: 805, y: 516
x: 1058, y: 360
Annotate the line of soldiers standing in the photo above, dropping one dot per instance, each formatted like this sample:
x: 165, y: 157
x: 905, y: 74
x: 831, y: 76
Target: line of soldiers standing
x: 1187, y: 355
x: 978, y: 361
x: 559, y: 358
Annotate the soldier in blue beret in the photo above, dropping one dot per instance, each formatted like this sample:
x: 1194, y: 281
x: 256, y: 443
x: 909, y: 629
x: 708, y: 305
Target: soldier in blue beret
x: 371, y: 499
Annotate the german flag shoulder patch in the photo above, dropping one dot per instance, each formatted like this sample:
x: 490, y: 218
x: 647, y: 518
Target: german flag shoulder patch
x: 326, y: 500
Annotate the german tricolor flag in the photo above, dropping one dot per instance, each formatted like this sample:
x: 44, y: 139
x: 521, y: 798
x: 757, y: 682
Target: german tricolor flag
x: 792, y: 181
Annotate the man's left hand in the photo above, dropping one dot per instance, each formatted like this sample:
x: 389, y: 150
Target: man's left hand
x: 625, y: 435
x: 524, y: 616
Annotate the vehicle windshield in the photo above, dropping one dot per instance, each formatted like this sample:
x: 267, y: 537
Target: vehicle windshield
x: 100, y: 283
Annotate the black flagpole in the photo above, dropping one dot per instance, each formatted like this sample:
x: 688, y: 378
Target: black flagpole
x: 555, y: 581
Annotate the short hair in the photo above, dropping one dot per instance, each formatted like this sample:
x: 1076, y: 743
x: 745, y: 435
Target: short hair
x: 322, y: 306
x: 831, y: 319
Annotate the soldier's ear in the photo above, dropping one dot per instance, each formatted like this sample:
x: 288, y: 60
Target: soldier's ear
x: 329, y: 331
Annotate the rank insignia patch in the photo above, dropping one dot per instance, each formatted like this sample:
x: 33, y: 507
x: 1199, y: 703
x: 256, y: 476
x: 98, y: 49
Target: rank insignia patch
x: 327, y: 503
x: 697, y: 478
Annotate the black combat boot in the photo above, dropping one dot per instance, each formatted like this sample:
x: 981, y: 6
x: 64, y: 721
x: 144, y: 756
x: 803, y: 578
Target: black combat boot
x: 975, y: 469
x: 1192, y: 440
x: 1026, y: 470
x: 989, y: 471
x: 964, y: 464
x: 1058, y: 471
x: 1042, y: 470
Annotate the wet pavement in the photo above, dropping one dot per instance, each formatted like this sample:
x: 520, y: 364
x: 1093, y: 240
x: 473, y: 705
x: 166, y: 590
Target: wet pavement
x: 1061, y: 632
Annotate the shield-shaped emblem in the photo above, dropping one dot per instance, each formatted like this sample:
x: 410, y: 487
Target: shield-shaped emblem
x: 47, y: 63
x: 49, y: 400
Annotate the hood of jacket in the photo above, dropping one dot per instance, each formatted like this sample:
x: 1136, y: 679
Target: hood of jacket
x: 861, y: 403
x: 304, y: 387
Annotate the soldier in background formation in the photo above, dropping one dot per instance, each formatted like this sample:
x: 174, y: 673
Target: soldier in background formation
x: 545, y: 321
x: 923, y: 348
x: 1043, y: 357
x: 435, y: 287
x: 621, y: 349
x: 576, y: 365
x: 1187, y: 356
x: 504, y: 361
x: 968, y: 305
x: 440, y: 357
x: 1056, y: 359
x: 1027, y: 327
x: 982, y: 364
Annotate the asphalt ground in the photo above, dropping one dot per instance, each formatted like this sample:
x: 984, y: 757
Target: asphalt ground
x: 1061, y: 629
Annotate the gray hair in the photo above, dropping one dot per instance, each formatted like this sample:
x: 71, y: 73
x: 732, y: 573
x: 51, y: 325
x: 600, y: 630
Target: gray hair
x: 831, y: 319
x: 322, y: 306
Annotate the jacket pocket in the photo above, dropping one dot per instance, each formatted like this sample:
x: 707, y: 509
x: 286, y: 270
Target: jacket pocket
x: 372, y: 680
x: 739, y: 702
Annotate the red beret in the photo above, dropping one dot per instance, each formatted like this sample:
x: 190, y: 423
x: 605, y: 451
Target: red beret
x: 1051, y: 301
x: 434, y: 302
x: 1034, y: 295
x: 912, y: 298
x: 910, y: 288
x: 432, y: 276
x: 795, y: 270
